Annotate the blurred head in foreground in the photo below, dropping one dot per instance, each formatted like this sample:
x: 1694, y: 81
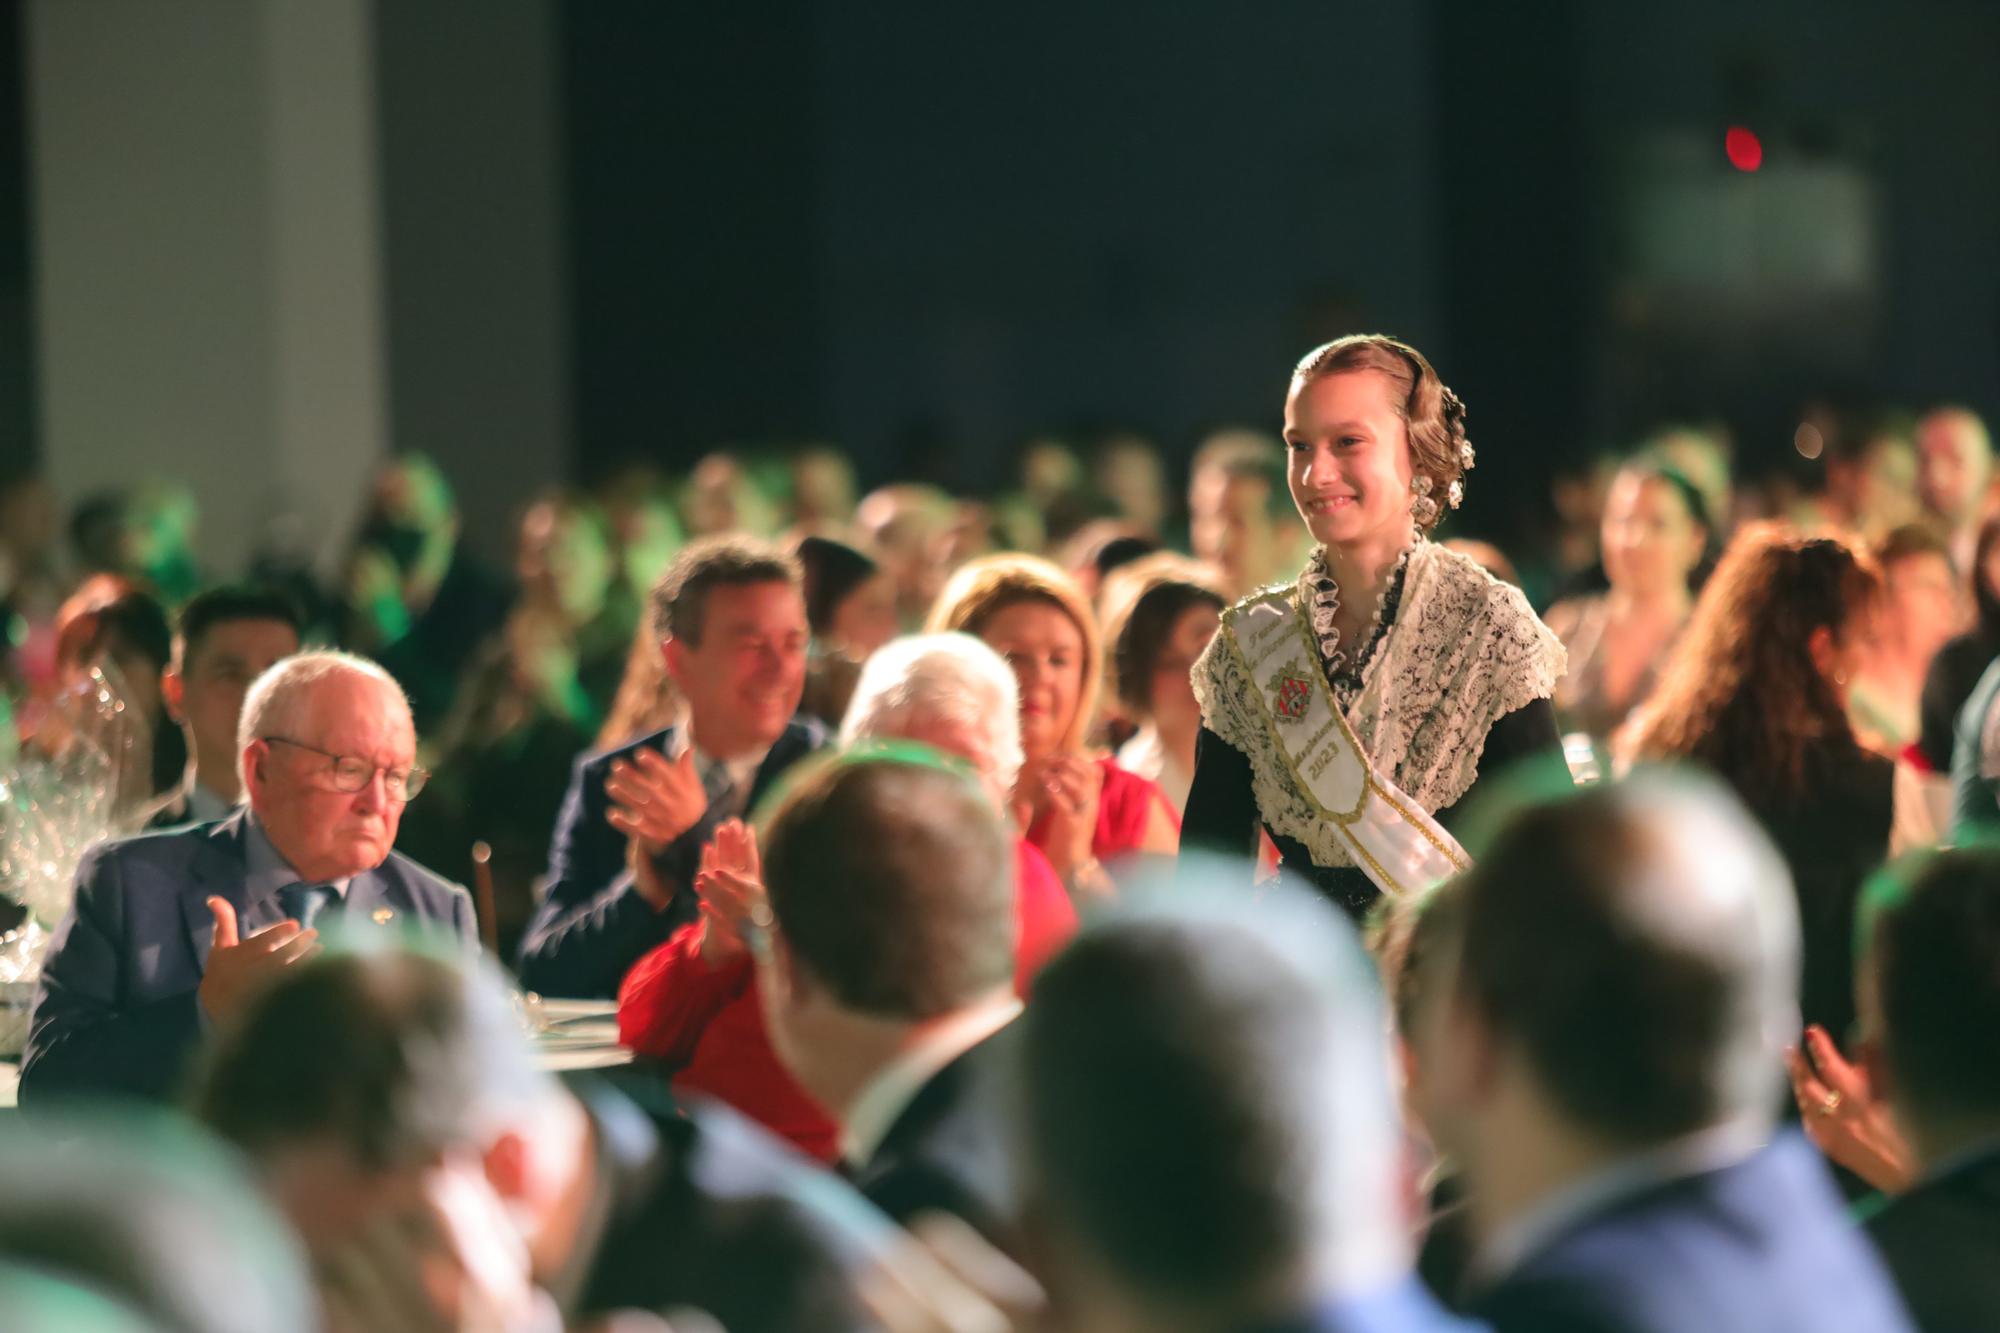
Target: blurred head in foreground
x: 1620, y: 972
x: 1205, y: 1116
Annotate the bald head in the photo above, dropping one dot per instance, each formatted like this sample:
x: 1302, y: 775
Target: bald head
x: 1637, y: 945
x: 311, y: 725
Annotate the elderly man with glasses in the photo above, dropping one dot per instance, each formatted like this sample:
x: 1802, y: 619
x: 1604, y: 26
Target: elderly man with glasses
x: 172, y: 933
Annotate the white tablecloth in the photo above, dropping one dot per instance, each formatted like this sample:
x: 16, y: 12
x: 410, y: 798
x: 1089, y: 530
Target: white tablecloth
x: 579, y: 1034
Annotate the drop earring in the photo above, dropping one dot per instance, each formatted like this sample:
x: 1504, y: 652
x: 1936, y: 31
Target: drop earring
x: 1423, y: 508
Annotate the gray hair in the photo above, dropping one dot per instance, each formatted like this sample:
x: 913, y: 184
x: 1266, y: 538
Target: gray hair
x: 271, y: 706
x: 949, y: 677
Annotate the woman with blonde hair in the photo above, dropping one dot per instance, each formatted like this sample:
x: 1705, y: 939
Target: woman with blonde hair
x: 1349, y: 712
x: 1079, y: 810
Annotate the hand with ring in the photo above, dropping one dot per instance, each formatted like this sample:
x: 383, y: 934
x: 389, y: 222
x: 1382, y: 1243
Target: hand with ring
x: 1843, y: 1117
x: 730, y: 884
x: 1071, y: 788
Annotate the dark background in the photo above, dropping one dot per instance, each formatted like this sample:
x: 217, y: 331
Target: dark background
x: 926, y: 231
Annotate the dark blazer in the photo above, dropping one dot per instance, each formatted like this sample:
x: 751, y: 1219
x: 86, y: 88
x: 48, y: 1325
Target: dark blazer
x: 591, y: 925
x: 1404, y: 1307
x: 948, y: 1151
x: 115, y: 1011
x: 1763, y: 1246
x: 1975, y: 798
x: 1940, y: 1241
x: 708, y: 1211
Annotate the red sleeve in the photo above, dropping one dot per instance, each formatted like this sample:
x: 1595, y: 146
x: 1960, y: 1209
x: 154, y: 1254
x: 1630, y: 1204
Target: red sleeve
x: 1124, y: 809
x: 1042, y: 911
x: 669, y: 997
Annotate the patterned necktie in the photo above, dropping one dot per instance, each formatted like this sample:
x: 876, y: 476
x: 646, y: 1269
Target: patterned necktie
x: 721, y: 789
x: 303, y: 903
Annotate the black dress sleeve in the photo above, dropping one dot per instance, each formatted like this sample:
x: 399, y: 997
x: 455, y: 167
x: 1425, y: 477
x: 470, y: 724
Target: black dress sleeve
x: 1221, y: 814
x: 1525, y: 733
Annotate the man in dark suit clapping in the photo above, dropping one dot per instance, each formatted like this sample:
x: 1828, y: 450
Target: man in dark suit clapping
x: 1601, y: 1059
x: 173, y: 933
x: 732, y: 625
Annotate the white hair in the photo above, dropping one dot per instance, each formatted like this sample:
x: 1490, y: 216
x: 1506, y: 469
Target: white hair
x: 950, y: 677
x: 272, y: 704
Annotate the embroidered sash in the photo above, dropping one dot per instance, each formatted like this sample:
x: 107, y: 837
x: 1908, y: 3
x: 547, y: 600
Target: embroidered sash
x: 1388, y: 835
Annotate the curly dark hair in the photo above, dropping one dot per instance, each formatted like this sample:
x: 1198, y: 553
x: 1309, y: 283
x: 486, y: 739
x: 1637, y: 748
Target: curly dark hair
x: 1741, y: 693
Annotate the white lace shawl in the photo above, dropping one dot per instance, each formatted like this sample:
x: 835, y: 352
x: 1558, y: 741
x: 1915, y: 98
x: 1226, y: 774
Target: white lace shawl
x: 1464, y: 651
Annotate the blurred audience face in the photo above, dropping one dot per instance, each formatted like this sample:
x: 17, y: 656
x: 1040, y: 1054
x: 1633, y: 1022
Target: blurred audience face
x: 822, y: 488
x: 1130, y: 475
x: 1954, y: 465
x: 1350, y: 459
x: 204, y: 691
x: 649, y: 533
x: 1045, y: 648
x: 866, y: 618
x: 326, y: 834
x: 743, y: 679
x: 414, y: 506
x: 1922, y: 608
x: 905, y: 526
x: 1882, y: 491
x: 1230, y: 526
x: 1703, y: 458
x: 565, y: 559
x: 1050, y: 470
x: 1649, y: 541
x: 1172, y: 705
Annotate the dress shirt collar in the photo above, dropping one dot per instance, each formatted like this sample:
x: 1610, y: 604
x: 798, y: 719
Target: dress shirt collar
x: 265, y: 868
x: 1679, y: 1159
x: 742, y: 770
x: 887, y: 1095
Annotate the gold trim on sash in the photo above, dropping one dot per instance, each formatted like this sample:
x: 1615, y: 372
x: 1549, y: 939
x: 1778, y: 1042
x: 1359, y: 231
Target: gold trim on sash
x: 1297, y: 680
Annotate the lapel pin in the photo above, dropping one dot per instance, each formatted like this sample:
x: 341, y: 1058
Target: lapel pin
x: 382, y: 915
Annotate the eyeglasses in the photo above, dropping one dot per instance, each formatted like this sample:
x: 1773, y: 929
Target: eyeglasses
x: 352, y: 773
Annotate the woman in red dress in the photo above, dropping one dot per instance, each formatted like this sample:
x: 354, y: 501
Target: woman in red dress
x: 1080, y: 810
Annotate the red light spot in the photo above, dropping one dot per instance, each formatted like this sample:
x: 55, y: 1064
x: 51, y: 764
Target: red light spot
x: 1745, y: 149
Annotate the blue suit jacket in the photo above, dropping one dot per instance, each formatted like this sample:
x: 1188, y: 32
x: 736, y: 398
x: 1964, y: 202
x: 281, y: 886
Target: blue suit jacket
x: 1764, y: 1246
x: 591, y: 925
x: 116, y: 1011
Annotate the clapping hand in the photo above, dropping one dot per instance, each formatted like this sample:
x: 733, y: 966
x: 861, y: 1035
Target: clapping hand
x: 1071, y: 788
x: 239, y: 968
x: 655, y: 799
x: 945, y: 1278
x: 453, y: 1263
x: 1843, y: 1117
x: 730, y: 884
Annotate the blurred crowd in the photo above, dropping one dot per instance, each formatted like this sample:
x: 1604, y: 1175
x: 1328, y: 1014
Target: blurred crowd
x: 612, y: 739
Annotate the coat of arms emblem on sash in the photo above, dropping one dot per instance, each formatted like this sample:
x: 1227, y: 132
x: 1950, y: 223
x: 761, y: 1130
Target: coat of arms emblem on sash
x: 1291, y: 694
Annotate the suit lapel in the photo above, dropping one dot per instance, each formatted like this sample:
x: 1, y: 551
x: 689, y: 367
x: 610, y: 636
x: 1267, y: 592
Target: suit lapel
x: 797, y: 742
x: 372, y: 903
x: 220, y: 872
